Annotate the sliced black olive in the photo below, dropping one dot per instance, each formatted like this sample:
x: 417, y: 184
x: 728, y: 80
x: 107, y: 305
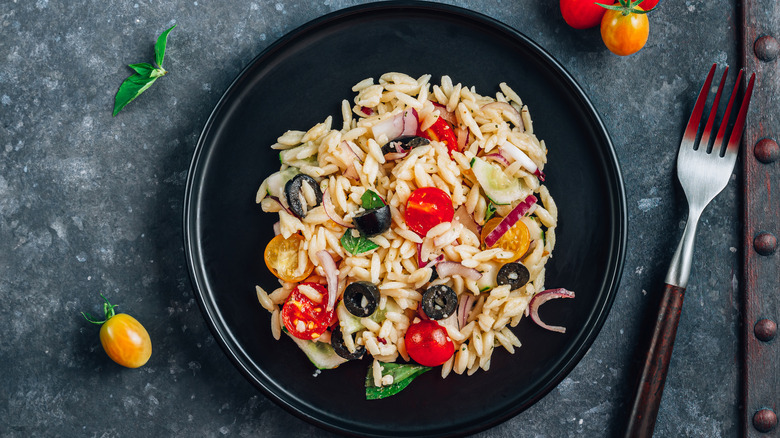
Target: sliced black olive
x: 407, y: 142
x: 337, y: 342
x: 434, y: 274
x: 373, y: 222
x: 514, y: 274
x: 294, y: 194
x: 361, y: 298
x: 439, y: 301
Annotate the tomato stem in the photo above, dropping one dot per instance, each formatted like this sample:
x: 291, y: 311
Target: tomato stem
x: 626, y: 7
x: 108, y: 311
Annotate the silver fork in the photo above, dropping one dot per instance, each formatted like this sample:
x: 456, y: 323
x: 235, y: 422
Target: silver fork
x: 703, y: 170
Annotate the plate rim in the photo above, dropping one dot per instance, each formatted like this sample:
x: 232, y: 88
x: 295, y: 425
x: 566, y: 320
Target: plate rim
x: 192, y: 245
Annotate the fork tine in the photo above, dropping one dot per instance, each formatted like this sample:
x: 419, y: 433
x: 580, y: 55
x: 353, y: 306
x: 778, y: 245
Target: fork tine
x: 698, y: 109
x: 720, y: 138
x: 705, y: 135
x: 739, y: 125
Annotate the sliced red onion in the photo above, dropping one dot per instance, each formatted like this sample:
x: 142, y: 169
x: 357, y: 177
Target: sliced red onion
x: 346, y: 146
x: 518, y: 155
x: 464, y: 309
x: 543, y: 297
x: 411, y: 121
x: 331, y: 274
x: 449, y: 116
x: 435, y: 261
x: 351, y: 172
x: 509, y: 220
x: 448, y: 269
x: 391, y: 128
x: 274, y: 198
x: 508, y: 110
x: 498, y: 157
x: 465, y: 219
x: 350, y: 157
x: 277, y: 229
x: 330, y: 210
x: 366, y: 110
x: 463, y: 137
x: 392, y: 156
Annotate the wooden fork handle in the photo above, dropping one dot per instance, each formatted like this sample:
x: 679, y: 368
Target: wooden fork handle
x: 645, y: 405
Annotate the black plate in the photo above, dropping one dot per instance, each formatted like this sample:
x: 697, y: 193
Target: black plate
x: 298, y: 82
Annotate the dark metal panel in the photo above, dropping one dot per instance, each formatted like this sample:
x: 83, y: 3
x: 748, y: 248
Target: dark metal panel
x: 761, y: 302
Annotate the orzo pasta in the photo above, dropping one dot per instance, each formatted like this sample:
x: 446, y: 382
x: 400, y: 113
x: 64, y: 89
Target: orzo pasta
x: 415, y: 231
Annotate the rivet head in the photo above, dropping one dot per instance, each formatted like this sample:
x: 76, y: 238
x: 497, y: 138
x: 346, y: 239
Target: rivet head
x: 767, y: 150
x: 765, y: 330
x: 767, y: 48
x: 764, y: 420
x: 765, y: 243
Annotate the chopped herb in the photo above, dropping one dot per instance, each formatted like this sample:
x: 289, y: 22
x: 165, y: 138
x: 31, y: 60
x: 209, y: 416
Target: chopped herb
x: 357, y: 245
x: 490, y: 211
x: 371, y: 200
x: 403, y: 374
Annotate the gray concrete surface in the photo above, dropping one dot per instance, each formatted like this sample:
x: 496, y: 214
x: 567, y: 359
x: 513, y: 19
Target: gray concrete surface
x: 91, y: 203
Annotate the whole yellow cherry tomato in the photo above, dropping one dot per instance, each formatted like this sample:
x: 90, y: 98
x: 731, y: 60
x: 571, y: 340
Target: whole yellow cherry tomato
x: 124, y: 339
x: 625, y: 32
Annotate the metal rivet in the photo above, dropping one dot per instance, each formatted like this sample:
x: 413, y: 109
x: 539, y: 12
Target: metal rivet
x: 765, y: 243
x: 765, y: 330
x: 765, y: 420
x: 767, y: 151
x: 767, y: 48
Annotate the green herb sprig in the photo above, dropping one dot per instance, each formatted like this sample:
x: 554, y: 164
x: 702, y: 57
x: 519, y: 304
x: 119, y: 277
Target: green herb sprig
x: 145, y: 75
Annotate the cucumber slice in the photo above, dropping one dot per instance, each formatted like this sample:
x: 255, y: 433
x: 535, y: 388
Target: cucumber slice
x: 298, y: 153
x: 500, y: 188
x: 320, y: 354
x: 277, y: 181
x: 488, y: 279
x: 349, y: 323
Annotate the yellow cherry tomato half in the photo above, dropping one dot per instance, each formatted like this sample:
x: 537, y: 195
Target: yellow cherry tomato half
x: 624, y: 34
x: 281, y: 257
x: 516, y: 240
x: 124, y: 339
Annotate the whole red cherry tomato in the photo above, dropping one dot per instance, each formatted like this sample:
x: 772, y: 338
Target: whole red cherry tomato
x: 304, y: 318
x: 428, y: 343
x: 583, y: 14
x: 649, y: 4
x: 124, y: 339
x: 441, y: 131
x: 426, y: 208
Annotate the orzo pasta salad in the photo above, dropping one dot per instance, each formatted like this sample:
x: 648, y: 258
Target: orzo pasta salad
x: 415, y: 234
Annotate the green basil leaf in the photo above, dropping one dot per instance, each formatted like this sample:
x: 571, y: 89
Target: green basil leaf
x: 131, y: 88
x: 403, y: 374
x: 371, y: 200
x: 143, y: 68
x: 159, y: 46
x: 356, y: 245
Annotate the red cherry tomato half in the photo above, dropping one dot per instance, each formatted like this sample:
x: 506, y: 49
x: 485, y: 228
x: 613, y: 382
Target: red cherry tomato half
x: 304, y: 318
x: 583, y: 14
x: 441, y: 131
x: 428, y: 343
x: 426, y: 208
